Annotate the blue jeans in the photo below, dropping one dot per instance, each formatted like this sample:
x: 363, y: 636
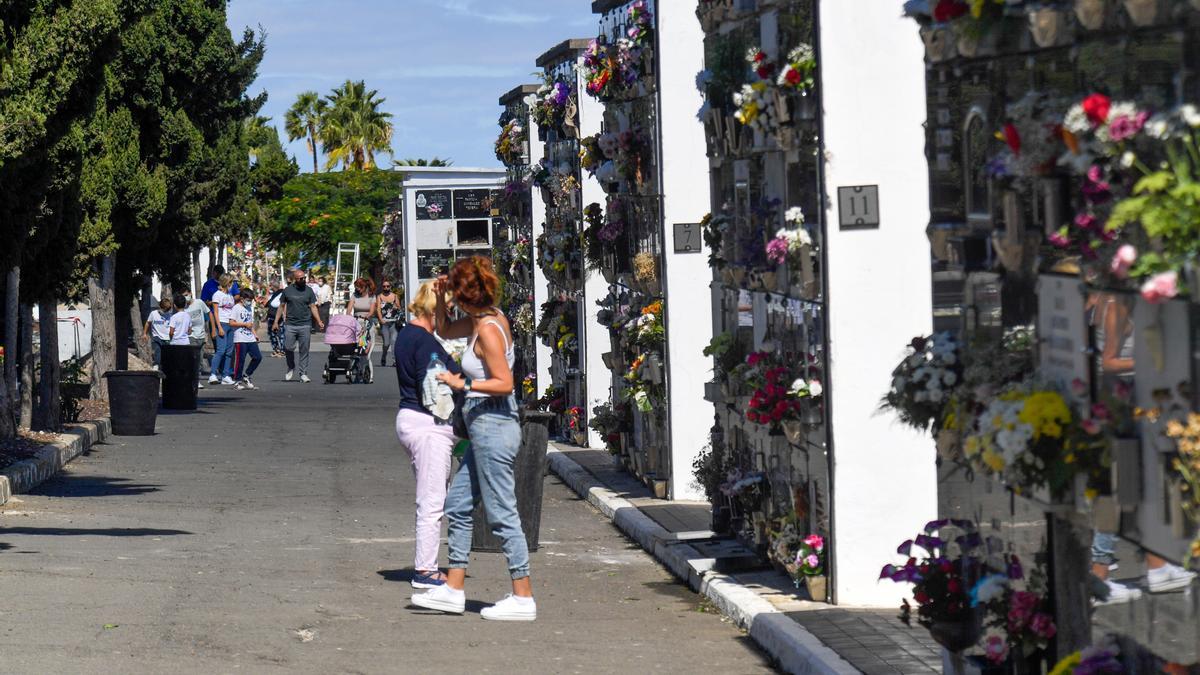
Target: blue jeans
x: 1104, y: 548
x: 222, y: 359
x: 246, y: 357
x: 486, y: 474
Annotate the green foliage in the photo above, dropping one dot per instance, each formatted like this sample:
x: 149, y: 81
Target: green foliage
x: 354, y: 128
x: 317, y: 211
x: 436, y: 161
x: 1167, y: 206
x: 304, y: 119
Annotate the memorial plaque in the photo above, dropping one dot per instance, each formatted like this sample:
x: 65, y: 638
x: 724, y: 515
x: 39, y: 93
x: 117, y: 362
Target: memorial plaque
x: 472, y: 203
x: 687, y: 238
x: 1063, y: 333
x: 432, y: 262
x: 432, y: 204
x: 858, y: 207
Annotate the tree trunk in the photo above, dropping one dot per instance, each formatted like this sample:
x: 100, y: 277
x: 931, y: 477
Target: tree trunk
x: 48, y: 414
x: 144, y: 351
x: 8, y: 424
x: 12, y: 343
x: 104, y: 327
x: 312, y: 145
x: 197, y: 279
x: 26, y: 366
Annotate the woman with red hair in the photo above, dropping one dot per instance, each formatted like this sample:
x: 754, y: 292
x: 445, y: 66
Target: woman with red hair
x: 490, y: 414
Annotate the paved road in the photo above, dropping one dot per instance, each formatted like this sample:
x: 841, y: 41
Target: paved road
x: 271, y: 532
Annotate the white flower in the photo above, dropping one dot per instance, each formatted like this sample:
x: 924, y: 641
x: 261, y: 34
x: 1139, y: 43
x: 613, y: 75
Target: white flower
x: 1190, y: 115
x: 1158, y: 127
x: 799, y: 385
x: 1076, y: 120
x: 990, y: 588
x: 815, y: 388
x: 1128, y: 159
x: 794, y: 215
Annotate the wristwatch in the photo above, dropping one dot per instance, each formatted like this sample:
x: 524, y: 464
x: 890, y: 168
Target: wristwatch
x: 466, y: 383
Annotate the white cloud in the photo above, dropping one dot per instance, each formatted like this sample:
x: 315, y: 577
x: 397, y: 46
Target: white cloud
x: 490, y: 15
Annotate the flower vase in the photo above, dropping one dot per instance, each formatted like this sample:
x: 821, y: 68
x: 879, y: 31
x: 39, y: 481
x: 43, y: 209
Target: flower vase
x: 939, y: 43
x: 956, y: 636
x: 783, y: 279
x: 768, y: 280
x: 818, y: 587
x: 654, y: 370
x: 1091, y: 13
x: 1143, y: 12
x: 811, y: 415
x: 793, y: 430
x: 1048, y: 26
x: 739, y: 275
x: 579, y: 438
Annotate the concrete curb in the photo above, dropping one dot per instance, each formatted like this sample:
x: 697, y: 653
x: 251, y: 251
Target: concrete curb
x: 27, y: 474
x: 795, y: 649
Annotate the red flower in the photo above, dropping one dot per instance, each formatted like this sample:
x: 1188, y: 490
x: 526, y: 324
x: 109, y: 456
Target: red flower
x: 1013, y: 138
x: 1096, y: 107
x: 954, y: 586
x: 921, y: 597
x: 764, y: 71
x: 793, y: 76
x: 947, y: 10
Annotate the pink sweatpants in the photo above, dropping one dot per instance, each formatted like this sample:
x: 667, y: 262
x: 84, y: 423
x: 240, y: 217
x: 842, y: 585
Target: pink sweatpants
x: 429, y: 446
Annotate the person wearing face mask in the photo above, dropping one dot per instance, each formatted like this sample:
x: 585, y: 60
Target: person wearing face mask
x: 297, y: 312
x: 246, y: 355
x: 198, y: 312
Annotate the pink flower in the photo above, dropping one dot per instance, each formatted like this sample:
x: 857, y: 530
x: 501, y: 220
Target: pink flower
x: 996, y: 649
x: 1124, y: 127
x: 1059, y: 239
x: 812, y: 561
x: 1123, y: 260
x: 1043, y: 626
x: 777, y: 250
x: 815, y: 542
x: 1161, y: 287
x: 1079, y: 387
x: 1091, y: 426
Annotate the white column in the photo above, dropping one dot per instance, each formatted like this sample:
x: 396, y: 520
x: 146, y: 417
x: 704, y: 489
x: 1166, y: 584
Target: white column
x: 685, y: 189
x: 541, y: 291
x: 884, y: 481
x: 595, y: 340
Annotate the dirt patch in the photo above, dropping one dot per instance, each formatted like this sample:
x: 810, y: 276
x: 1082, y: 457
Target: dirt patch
x: 91, y: 410
x: 25, y: 446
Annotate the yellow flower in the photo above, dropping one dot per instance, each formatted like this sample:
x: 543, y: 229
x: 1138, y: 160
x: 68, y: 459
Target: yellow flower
x: 993, y: 460
x: 1067, y: 666
x: 1090, y: 494
x: 1046, y: 412
x: 971, y: 447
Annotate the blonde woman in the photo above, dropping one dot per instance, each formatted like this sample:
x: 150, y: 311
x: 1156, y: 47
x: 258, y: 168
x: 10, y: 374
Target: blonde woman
x: 427, y: 440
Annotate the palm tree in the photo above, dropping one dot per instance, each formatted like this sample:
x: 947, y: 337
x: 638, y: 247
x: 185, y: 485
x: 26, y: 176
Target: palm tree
x: 355, y: 129
x: 436, y: 161
x: 304, y: 120
x: 257, y: 134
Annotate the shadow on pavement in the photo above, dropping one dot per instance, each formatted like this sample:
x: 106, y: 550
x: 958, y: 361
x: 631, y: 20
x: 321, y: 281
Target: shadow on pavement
x: 405, y: 575
x: 92, y: 486
x: 109, y: 532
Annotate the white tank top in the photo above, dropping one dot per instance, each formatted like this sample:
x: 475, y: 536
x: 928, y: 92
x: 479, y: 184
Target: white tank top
x: 474, y: 368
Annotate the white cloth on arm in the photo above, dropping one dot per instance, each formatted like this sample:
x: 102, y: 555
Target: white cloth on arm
x: 436, y: 396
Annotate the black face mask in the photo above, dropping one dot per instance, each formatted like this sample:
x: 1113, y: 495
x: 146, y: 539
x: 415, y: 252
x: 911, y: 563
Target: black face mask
x: 300, y: 284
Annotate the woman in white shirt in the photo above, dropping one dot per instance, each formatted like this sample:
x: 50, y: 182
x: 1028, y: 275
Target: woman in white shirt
x: 221, y: 371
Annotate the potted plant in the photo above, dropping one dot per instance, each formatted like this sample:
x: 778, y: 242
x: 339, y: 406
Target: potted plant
x: 943, y: 563
x: 809, y: 567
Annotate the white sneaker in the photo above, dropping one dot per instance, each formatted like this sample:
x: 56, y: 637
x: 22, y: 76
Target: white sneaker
x: 249, y: 385
x: 212, y: 379
x: 511, y: 608
x: 443, y: 598
x: 199, y: 385
x: 1118, y: 594
x: 241, y: 385
x: 227, y: 380
x: 288, y: 377
x: 1169, y: 578
x: 304, y: 378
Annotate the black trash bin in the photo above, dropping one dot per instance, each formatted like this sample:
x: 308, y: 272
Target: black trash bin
x: 530, y: 470
x: 179, y: 376
x: 133, y: 401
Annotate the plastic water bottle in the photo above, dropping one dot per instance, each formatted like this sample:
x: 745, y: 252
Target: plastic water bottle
x: 460, y: 448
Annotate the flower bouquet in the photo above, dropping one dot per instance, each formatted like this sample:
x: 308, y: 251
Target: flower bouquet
x: 1103, y: 658
x: 923, y: 382
x: 1018, y: 613
x: 1186, y: 466
x: 510, y: 146
x: 1029, y: 438
x: 609, y: 423
x: 555, y: 98
x: 943, y: 562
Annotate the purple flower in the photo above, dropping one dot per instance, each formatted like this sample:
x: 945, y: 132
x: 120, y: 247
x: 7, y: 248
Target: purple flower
x: 929, y: 543
x: 777, y: 250
x: 1059, y: 239
x: 1015, y: 571
x: 812, y: 561
x: 1096, y: 190
x: 1086, y: 221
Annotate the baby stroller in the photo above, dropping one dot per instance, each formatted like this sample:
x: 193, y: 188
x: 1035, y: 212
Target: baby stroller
x: 349, y: 350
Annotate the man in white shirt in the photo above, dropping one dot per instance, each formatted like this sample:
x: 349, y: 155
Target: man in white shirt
x: 324, y: 299
x: 246, y: 355
x: 180, y: 324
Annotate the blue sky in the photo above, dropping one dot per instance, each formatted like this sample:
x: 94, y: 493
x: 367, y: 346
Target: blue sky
x: 441, y: 64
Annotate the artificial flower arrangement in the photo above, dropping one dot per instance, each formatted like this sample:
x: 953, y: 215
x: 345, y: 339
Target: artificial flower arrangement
x: 1032, y: 135
x: 523, y: 319
x: 559, y: 252
x: 1186, y: 466
x: 648, y: 330
x: 612, y: 70
x: 802, y: 555
x: 970, y: 18
x: 714, y: 228
x: 645, y: 268
x: 554, y: 400
x: 1018, y: 613
x: 510, y: 146
x: 513, y: 199
x: 744, y: 489
x: 1029, y: 437
x: 924, y: 380
x: 755, y: 101
x: 575, y: 422
x: 609, y: 422
x: 1165, y: 203
x: 1102, y: 658
x: 778, y: 393
x: 798, y: 70
x: 556, y: 326
x: 640, y: 389
x: 727, y: 352
x: 529, y: 385
x: 554, y: 100
x: 943, y: 563
x: 792, y: 243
